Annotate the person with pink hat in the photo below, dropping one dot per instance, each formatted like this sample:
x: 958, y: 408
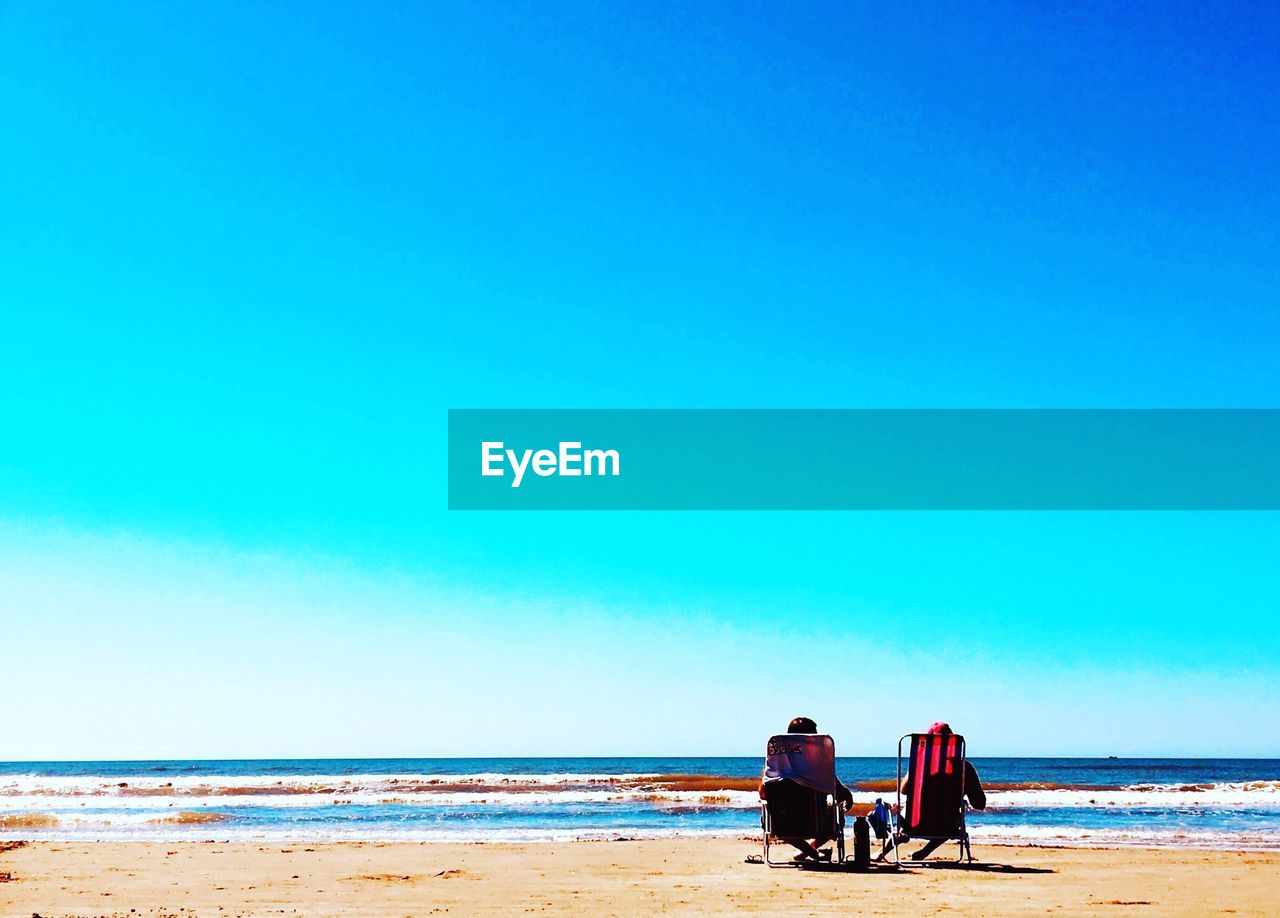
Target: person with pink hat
x: 972, y: 790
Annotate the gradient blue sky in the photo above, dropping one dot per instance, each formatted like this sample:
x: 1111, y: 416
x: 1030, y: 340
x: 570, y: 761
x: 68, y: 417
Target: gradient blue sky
x: 249, y: 257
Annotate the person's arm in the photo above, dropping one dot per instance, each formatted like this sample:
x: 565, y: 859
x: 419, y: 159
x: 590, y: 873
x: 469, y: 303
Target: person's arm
x: 973, y: 787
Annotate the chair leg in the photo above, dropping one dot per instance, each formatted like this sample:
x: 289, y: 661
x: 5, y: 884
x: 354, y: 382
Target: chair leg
x: 839, y: 827
x: 767, y: 825
x: 767, y: 860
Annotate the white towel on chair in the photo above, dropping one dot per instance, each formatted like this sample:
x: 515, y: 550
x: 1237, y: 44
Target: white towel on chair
x: 805, y: 758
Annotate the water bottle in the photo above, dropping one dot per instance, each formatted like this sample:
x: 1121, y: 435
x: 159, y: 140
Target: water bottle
x: 861, y: 843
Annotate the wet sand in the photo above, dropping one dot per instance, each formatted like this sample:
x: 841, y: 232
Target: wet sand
x: 633, y: 877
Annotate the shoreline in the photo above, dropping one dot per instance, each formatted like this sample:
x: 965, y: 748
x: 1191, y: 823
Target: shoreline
x: 707, y: 874
x: 504, y: 837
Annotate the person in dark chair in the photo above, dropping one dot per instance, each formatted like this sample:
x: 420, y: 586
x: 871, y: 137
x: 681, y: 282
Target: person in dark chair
x: 973, y: 791
x: 785, y: 793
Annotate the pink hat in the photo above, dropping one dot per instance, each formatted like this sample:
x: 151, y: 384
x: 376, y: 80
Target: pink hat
x: 940, y: 728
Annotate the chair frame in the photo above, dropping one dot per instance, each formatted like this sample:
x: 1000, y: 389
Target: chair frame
x: 832, y: 816
x: 961, y: 836
x: 837, y: 827
x: 890, y: 840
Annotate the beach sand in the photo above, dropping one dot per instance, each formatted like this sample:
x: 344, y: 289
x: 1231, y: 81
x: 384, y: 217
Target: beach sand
x: 632, y: 877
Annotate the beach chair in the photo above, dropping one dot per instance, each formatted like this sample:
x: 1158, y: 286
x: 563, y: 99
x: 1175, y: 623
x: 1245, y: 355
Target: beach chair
x: 933, y: 806
x: 798, y: 789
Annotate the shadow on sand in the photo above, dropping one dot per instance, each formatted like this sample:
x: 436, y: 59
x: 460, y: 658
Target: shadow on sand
x: 977, y: 867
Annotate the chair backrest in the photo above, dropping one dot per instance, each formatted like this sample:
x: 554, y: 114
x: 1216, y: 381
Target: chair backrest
x: 935, y: 784
x: 808, y: 759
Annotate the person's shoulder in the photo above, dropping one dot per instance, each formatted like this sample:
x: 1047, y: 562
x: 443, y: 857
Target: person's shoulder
x: 970, y: 771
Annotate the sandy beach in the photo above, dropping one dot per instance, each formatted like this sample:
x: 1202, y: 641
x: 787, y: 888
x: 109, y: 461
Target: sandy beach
x: 632, y: 877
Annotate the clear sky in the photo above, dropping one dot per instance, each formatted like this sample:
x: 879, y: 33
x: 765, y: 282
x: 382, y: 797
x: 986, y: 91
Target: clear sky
x: 250, y: 256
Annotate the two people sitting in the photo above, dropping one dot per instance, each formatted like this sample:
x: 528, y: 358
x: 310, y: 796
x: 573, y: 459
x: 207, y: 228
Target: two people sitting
x: 790, y: 783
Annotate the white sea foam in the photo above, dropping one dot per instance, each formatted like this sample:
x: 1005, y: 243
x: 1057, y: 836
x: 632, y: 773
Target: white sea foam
x: 508, y: 789
x: 1250, y: 793
x: 119, y: 786
x: 143, y: 831
x: 1074, y: 837
x: 37, y: 802
x: 141, y: 827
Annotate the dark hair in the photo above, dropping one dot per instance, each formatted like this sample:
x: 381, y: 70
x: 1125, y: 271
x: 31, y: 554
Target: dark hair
x: 802, y: 725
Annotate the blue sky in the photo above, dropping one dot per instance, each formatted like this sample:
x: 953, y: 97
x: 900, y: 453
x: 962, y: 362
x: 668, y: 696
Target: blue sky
x: 250, y: 257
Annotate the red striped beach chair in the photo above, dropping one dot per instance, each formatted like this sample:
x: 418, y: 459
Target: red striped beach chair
x: 931, y: 799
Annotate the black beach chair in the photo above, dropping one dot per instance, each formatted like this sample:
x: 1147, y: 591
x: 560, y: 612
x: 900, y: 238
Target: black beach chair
x: 932, y: 804
x: 799, y: 793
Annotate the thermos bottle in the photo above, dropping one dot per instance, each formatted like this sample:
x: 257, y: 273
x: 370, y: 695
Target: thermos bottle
x: 861, y: 844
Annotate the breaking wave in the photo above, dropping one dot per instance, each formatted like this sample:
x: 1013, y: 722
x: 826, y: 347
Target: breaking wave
x: 157, y: 804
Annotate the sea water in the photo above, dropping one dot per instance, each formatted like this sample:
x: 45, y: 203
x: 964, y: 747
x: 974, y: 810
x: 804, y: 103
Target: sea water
x: 1098, y: 802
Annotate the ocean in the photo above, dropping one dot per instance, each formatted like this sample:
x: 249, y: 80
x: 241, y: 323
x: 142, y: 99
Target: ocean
x: 1210, y: 803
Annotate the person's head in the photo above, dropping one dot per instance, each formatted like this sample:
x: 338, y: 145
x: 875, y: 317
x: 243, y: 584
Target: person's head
x: 940, y: 728
x: 802, y: 725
